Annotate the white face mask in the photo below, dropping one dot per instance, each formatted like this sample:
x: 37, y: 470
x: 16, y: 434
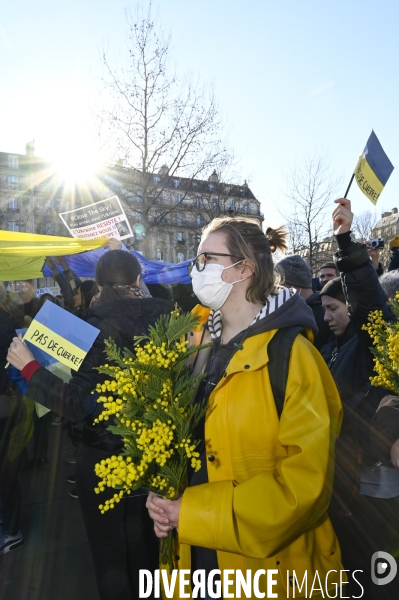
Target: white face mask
x: 209, y: 287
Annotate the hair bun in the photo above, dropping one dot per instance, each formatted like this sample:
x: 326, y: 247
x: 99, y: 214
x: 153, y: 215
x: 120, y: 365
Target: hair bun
x: 277, y: 238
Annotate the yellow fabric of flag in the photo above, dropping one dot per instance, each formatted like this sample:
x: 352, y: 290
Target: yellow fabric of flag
x: 22, y: 255
x: 367, y: 180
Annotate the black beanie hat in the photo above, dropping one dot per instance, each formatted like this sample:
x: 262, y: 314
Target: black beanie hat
x: 334, y: 289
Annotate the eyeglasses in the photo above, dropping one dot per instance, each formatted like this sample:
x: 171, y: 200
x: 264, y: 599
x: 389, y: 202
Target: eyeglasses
x: 200, y: 261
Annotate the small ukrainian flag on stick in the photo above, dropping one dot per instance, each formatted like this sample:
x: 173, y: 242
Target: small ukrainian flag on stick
x: 372, y: 170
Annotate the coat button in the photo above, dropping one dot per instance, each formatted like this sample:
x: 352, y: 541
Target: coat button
x: 246, y: 366
x: 211, y: 458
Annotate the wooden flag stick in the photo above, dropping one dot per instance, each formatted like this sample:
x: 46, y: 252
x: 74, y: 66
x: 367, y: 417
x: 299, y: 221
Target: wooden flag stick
x: 349, y: 186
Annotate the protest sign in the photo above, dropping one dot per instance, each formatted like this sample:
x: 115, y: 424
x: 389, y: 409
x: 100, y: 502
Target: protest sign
x: 105, y: 218
x: 61, y: 335
x: 54, y: 290
x: 47, y: 361
x: 373, y: 170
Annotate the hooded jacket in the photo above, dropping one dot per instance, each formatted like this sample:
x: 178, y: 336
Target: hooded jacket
x: 120, y: 320
x: 349, y: 356
x: 269, y: 480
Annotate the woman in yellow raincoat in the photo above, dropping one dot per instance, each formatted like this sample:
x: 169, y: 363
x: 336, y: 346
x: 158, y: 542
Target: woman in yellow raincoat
x: 260, y: 498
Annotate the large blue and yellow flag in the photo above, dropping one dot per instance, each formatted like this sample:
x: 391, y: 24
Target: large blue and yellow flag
x: 373, y: 169
x: 22, y: 255
x: 60, y: 334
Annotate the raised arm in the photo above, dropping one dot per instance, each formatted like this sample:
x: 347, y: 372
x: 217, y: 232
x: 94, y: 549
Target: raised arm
x: 360, y: 282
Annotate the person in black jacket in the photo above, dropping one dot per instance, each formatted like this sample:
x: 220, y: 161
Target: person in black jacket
x: 11, y: 310
x: 362, y: 527
x: 122, y: 540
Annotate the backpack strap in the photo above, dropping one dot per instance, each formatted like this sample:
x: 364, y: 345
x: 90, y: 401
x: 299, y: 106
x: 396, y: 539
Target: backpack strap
x: 279, y: 351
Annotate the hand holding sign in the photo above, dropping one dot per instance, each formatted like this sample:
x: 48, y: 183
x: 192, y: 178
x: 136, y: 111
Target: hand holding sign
x: 58, y: 333
x: 18, y: 354
x: 113, y: 244
x: 342, y: 216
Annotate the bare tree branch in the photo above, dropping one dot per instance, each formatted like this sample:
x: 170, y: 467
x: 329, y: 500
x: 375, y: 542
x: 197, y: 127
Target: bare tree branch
x: 310, y: 190
x: 154, y: 118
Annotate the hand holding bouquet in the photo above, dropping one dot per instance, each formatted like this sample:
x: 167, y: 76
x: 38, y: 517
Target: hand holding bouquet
x: 149, y: 397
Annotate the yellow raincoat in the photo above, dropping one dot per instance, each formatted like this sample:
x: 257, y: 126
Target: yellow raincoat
x: 269, y: 479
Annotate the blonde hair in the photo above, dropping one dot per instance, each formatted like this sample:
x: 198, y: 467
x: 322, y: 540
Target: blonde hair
x: 246, y: 240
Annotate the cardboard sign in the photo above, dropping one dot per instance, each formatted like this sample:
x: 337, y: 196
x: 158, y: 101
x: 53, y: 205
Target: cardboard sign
x: 100, y: 219
x: 60, y: 334
x: 51, y: 364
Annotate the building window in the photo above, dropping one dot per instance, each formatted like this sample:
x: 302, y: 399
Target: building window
x: 156, y: 179
x: 160, y: 217
x: 176, y: 183
x: 12, y: 182
x: 13, y: 162
x: 159, y: 255
x: 160, y: 198
x: 246, y: 208
x: 180, y: 257
x: 13, y: 226
x: 179, y: 198
x: 13, y: 204
x: 211, y: 187
x: 198, y: 220
x: 179, y: 219
x: 179, y: 236
x: 214, y: 205
x: 197, y: 202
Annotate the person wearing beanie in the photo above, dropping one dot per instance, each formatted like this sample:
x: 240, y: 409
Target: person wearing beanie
x: 334, y: 305
x: 295, y: 272
x: 361, y: 518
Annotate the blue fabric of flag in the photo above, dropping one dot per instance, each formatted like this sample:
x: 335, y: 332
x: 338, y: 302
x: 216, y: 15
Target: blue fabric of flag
x: 153, y: 271
x: 66, y: 325
x: 377, y: 159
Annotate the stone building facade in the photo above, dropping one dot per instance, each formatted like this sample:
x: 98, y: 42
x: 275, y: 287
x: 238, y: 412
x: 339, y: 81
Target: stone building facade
x: 166, y: 213
x: 387, y: 228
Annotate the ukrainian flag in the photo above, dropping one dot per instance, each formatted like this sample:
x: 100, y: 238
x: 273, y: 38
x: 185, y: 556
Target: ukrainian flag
x: 66, y: 338
x: 373, y: 169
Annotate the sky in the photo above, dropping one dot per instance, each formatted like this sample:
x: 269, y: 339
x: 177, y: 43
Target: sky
x: 292, y: 78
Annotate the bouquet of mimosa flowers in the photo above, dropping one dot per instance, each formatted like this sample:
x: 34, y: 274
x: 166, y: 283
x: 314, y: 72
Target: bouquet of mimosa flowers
x: 385, y: 336
x: 149, y: 396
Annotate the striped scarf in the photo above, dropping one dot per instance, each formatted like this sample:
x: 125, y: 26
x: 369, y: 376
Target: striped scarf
x: 272, y: 303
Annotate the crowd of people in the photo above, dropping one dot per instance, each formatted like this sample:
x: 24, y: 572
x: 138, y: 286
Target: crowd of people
x: 299, y: 452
